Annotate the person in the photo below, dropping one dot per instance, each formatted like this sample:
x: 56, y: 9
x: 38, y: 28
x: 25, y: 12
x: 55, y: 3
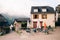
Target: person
x: 11, y: 26
x: 34, y: 29
x: 39, y: 28
x: 50, y: 28
x: 45, y: 28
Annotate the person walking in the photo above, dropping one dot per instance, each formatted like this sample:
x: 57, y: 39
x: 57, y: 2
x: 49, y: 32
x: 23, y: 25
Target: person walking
x: 11, y: 26
x: 45, y: 28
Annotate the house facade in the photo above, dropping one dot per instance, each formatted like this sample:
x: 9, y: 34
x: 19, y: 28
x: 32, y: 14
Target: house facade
x: 21, y: 23
x: 58, y: 15
x: 41, y: 15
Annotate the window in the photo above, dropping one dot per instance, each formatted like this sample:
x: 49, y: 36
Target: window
x: 44, y: 16
x: 58, y: 11
x: 43, y: 10
x: 35, y: 10
x: 36, y: 16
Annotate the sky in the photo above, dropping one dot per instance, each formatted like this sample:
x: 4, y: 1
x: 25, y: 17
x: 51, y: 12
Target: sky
x: 23, y: 7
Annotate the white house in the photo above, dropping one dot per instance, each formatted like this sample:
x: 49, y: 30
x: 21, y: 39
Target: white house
x: 41, y: 15
x: 22, y: 23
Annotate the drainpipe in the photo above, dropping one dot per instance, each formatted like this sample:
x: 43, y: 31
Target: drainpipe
x: 38, y: 24
x: 27, y: 23
x: 56, y: 16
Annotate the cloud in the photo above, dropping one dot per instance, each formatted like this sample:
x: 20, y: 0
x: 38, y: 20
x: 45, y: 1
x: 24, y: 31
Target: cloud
x: 40, y: 3
x: 58, y: 1
x: 23, y: 7
x: 12, y: 6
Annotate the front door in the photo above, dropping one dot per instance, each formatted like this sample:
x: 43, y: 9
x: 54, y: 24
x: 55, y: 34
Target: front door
x: 34, y: 24
x: 40, y: 23
x: 24, y: 25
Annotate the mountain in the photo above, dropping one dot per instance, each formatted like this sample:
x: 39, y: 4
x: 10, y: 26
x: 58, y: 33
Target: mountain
x: 8, y: 18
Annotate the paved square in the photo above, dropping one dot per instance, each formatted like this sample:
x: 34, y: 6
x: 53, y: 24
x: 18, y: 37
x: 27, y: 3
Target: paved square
x: 55, y: 35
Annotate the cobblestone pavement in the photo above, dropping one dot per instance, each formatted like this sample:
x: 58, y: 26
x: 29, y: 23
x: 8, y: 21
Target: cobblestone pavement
x: 55, y: 35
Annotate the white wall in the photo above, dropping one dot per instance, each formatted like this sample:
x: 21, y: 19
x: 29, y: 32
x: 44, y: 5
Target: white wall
x: 49, y: 21
x: 56, y: 16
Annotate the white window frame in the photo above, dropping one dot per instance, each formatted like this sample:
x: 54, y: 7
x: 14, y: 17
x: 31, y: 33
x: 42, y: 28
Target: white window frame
x: 44, y: 10
x: 35, y: 10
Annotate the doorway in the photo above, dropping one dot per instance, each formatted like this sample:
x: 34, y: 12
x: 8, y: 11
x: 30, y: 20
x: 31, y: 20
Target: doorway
x: 35, y: 24
x: 24, y: 25
x: 41, y: 23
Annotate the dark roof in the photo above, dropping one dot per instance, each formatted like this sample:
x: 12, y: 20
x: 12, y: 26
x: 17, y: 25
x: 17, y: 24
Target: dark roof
x: 48, y: 8
x: 59, y: 5
x: 58, y: 8
x: 22, y: 19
